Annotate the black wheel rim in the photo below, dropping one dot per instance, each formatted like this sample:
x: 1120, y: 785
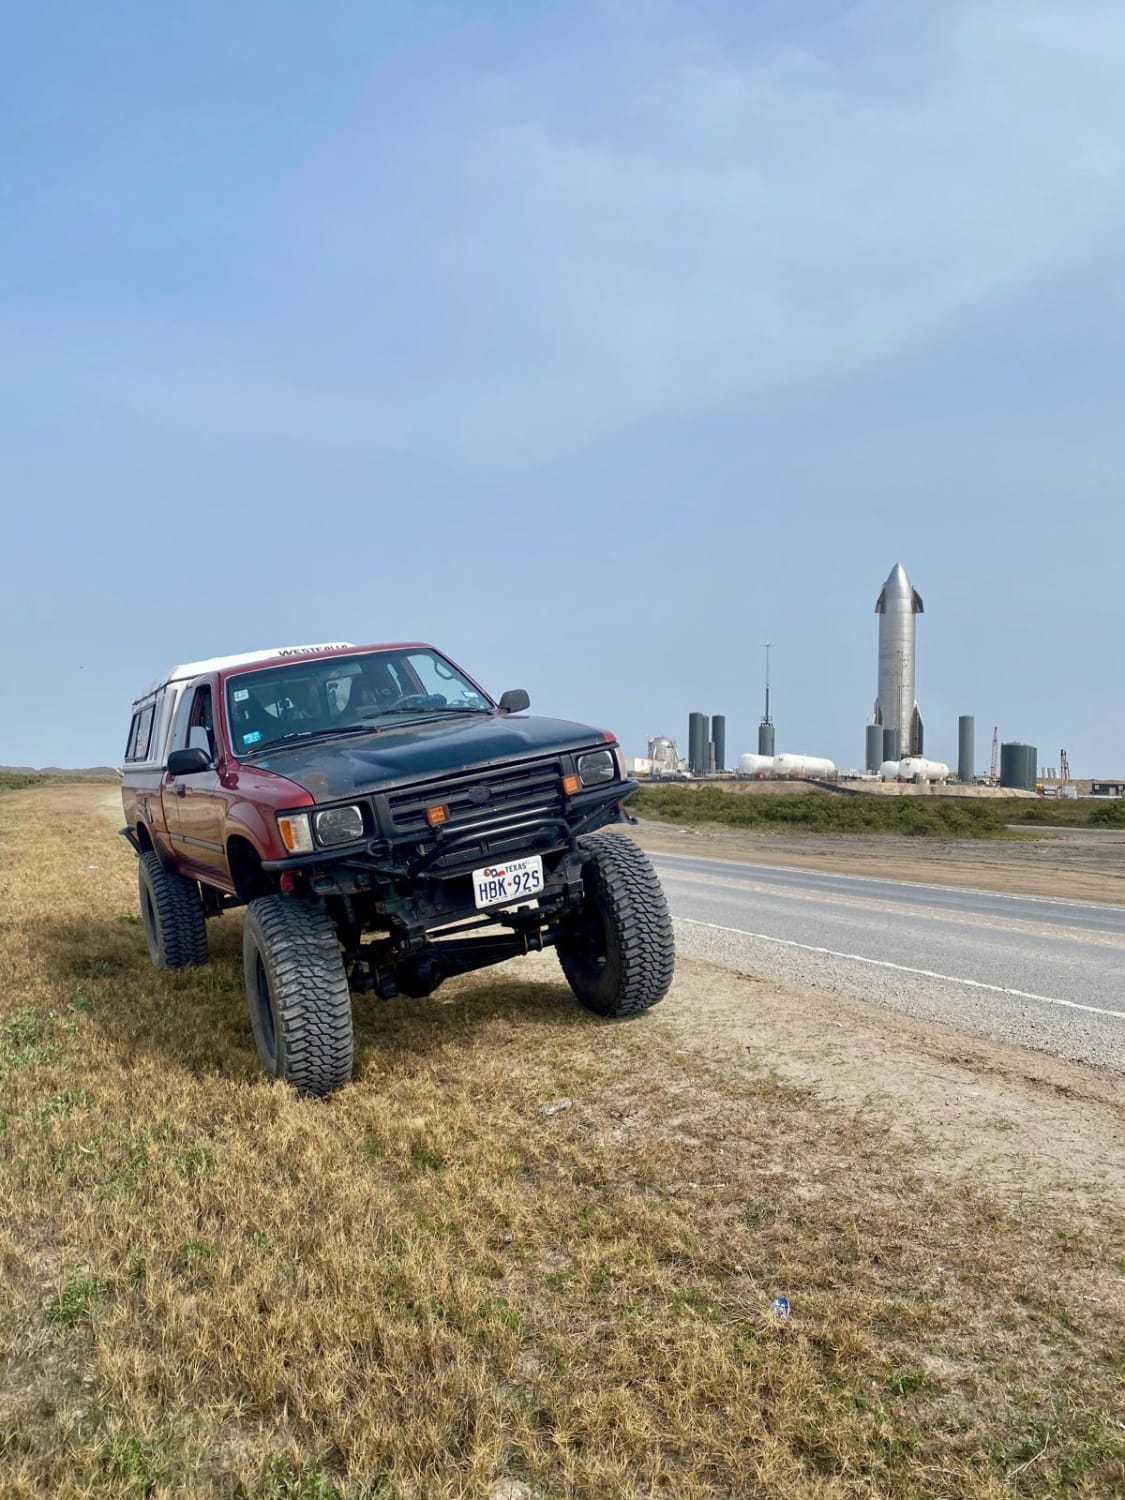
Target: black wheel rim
x: 267, y: 1021
x: 591, y: 944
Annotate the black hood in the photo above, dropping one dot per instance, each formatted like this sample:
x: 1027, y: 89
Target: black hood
x: 396, y: 755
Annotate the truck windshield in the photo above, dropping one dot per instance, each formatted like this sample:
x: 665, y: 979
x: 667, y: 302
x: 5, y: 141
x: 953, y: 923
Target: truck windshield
x: 343, y: 693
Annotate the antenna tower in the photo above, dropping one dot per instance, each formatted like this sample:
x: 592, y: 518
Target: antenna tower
x: 992, y: 775
x: 767, y: 647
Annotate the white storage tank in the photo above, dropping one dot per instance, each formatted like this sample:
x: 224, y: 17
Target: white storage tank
x: 918, y: 768
x: 754, y: 765
x: 803, y: 765
x: 888, y: 771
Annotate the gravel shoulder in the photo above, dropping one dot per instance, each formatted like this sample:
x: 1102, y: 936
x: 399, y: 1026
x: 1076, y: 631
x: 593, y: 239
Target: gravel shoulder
x: 1074, y: 864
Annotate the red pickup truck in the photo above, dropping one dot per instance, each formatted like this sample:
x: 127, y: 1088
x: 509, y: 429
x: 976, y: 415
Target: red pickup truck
x: 387, y: 824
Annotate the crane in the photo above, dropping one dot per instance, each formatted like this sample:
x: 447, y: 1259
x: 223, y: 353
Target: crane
x: 1064, y: 767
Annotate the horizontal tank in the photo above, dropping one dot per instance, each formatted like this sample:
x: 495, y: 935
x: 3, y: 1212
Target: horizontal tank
x: 918, y: 768
x: 803, y: 765
x: 754, y: 765
x: 888, y: 771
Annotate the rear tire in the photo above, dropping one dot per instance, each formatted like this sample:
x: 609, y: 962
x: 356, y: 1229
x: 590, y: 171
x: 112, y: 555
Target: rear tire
x: 297, y: 991
x: 172, y: 915
x: 619, y: 954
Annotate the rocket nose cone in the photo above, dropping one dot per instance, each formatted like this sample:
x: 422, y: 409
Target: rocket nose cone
x: 898, y: 593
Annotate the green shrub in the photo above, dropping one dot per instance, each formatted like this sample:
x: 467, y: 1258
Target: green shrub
x: 815, y: 812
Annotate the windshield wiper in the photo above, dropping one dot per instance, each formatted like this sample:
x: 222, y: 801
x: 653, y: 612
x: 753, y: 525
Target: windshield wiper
x: 305, y: 734
x: 423, y: 713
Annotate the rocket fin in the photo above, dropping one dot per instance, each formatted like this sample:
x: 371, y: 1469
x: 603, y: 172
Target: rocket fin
x: 917, y: 732
x: 916, y: 603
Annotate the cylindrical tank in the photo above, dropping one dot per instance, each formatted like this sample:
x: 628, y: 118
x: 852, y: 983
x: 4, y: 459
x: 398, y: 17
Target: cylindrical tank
x: 873, y: 756
x: 1017, y: 766
x: 892, y: 744
x: 918, y: 768
x: 765, y: 739
x: 705, y: 746
x: 965, y: 752
x: 696, y: 741
x: 754, y: 765
x: 803, y: 765
x: 888, y: 771
x: 719, y: 741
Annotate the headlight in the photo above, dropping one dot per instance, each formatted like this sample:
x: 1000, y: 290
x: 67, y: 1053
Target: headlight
x: 339, y: 825
x: 596, y: 768
x: 295, y: 832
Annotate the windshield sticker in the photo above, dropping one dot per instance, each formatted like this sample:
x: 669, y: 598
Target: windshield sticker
x: 240, y: 695
x: 252, y: 738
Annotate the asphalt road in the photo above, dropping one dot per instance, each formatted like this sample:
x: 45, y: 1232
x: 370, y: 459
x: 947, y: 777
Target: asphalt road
x: 1046, y: 973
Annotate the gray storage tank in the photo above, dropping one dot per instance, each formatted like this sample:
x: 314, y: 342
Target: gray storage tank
x: 1018, y: 765
x: 892, y: 744
x: 697, y: 756
x: 873, y: 751
x: 965, y: 749
x: 719, y: 741
x: 765, y: 738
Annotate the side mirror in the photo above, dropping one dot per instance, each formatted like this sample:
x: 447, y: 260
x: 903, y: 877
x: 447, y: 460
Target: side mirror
x: 514, y: 701
x: 188, y: 762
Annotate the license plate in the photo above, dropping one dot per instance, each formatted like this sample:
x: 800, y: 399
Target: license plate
x: 513, y: 880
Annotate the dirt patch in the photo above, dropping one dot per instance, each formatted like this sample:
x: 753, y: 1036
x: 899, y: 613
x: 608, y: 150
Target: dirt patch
x: 1027, y: 1120
x: 1077, y: 865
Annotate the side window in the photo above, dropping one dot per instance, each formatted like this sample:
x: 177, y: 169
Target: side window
x: 144, y: 733
x: 201, y: 724
x: 140, y: 733
x: 178, y: 740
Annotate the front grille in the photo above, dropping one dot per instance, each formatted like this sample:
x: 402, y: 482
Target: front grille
x: 480, y: 798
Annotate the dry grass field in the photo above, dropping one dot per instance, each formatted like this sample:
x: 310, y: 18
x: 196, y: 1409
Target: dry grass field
x: 431, y: 1286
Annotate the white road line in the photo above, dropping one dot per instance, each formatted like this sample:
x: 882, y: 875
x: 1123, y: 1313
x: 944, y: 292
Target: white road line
x: 883, y: 963
x: 919, y: 885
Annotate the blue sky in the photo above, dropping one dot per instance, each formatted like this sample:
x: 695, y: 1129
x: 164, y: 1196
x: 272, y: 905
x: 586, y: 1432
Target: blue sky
x: 596, y: 343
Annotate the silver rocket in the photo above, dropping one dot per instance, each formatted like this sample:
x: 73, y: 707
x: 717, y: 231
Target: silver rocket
x: 896, y: 707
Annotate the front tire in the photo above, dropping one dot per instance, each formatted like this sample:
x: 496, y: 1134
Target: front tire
x: 619, y: 954
x: 171, y: 914
x: 297, y: 991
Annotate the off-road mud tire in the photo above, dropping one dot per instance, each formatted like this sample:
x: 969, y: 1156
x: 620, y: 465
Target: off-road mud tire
x: 171, y: 915
x: 297, y: 991
x: 618, y: 957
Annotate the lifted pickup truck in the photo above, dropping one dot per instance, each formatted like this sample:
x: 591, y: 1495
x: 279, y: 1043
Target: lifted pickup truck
x: 387, y: 824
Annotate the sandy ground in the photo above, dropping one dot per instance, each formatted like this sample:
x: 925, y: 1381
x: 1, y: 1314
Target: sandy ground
x: 1076, y: 864
x: 1037, y: 1123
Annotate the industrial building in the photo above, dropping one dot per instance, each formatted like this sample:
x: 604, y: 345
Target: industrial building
x: 893, y: 743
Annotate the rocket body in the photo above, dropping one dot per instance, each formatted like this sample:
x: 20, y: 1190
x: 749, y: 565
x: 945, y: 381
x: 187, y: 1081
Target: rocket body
x: 895, y: 706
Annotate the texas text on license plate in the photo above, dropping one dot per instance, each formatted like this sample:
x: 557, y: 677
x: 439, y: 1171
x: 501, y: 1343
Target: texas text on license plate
x: 511, y: 881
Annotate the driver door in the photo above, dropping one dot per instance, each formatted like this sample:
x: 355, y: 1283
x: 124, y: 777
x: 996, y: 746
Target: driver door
x: 195, y: 806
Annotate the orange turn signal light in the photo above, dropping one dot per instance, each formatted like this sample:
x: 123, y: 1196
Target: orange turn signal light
x: 436, y: 816
x: 571, y: 785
